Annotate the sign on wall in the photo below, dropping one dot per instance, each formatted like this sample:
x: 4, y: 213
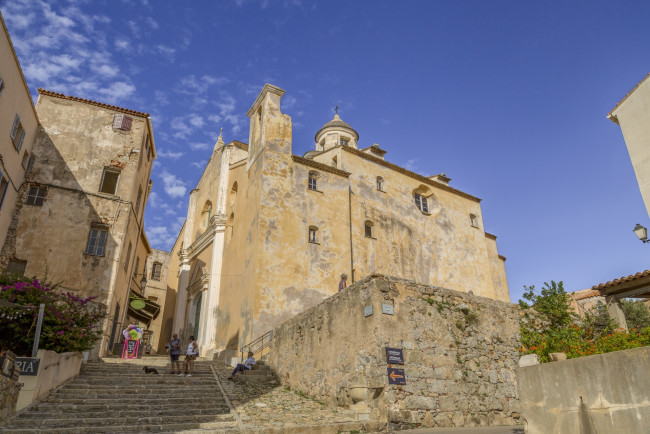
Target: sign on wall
x: 28, y: 365
x: 396, y: 376
x: 394, y: 355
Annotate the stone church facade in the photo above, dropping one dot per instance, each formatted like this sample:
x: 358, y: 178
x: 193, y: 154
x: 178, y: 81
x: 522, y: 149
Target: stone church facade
x: 268, y: 233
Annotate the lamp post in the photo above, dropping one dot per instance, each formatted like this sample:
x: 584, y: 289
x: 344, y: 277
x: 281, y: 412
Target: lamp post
x: 641, y: 232
x: 143, y: 281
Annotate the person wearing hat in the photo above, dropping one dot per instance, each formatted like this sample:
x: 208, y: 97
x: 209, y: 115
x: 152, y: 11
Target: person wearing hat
x: 344, y: 282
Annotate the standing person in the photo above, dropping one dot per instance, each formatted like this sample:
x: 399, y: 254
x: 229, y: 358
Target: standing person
x: 248, y: 365
x: 174, y: 347
x: 190, y: 356
x: 344, y: 282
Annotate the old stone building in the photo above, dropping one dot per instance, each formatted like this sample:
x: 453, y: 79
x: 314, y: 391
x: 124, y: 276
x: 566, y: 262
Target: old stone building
x: 268, y: 233
x: 79, y: 216
x: 18, y: 128
x: 159, y: 330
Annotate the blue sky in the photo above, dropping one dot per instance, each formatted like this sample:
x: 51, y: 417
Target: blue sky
x: 508, y: 98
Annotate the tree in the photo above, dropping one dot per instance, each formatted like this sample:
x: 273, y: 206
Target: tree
x: 636, y: 313
x: 70, y: 323
x: 553, y: 304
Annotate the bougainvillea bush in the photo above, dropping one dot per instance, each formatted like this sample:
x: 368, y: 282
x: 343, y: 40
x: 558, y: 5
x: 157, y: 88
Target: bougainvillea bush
x: 70, y: 323
x: 549, y: 325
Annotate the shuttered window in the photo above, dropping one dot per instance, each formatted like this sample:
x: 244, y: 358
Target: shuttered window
x: 122, y: 122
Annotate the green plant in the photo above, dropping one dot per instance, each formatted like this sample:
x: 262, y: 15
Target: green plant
x: 636, y: 313
x: 70, y: 323
x: 551, y: 326
x: 471, y: 318
x: 459, y: 360
x: 429, y: 300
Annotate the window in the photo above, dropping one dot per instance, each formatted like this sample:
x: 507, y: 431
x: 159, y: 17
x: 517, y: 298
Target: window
x: 36, y: 196
x: 368, y: 228
x: 137, y: 202
x: 422, y: 203
x: 16, y: 266
x: 30, y: 163
x: 110, y: 180
x: 380, y: 183
x: 230, y: 227
x: 25, y: 161
x: 128, y: 256
x: 313, y: 184
x: 156, y: 269
x: 473, y: 220
x: 2, y: 85
x: 233, y: 195
x: 122, y: 122
x: 3, y: 188
x: 17, y: 133
x: 97, y: 240
x: 137, y: 266
x: 147, y: 147
x: 313, y: 238
x: 344, y: 142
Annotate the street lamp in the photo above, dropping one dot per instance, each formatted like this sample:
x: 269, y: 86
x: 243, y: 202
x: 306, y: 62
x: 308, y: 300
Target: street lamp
x: 143, y: 282
x: 641, y: 232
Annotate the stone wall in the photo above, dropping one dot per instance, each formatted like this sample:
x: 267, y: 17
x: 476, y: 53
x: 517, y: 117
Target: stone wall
x: 604, y: 394
x: 460, y: 357
x: 9, y: 389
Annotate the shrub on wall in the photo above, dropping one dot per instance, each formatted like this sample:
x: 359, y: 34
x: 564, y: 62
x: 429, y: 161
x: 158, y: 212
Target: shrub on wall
x: 549, y: 325
x: 70, y: 323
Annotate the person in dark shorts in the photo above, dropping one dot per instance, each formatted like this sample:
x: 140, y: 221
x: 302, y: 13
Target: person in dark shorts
x: 174, y: 347
x: 248, y: 365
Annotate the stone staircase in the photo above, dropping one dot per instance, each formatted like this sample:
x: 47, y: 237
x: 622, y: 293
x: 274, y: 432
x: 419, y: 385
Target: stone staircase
x: 261, y: 373
x: 122, y: 398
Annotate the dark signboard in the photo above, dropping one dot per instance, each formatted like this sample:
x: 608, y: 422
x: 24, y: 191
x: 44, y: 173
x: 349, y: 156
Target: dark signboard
x: 131, y: 346
x: 396, y: 376
x: 395, y: 356
x: 28, y: 365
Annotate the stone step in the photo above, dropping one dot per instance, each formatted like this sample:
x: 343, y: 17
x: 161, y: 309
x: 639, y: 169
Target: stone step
x: 197, y: 385
x: 215, y: 414
x: 129, y: 396
x: 110, y: 399
x: 193, y: 421
x: 186, y: 408
x: 213, y: 427
x: 166, y: 382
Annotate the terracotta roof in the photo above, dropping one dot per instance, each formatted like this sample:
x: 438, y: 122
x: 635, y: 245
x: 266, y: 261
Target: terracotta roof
x: 612, y: 117
x: 581, y: 295
x: 413, y: 175
x: 95, y: 103
x: 320, y: 166
x: 620, y: 280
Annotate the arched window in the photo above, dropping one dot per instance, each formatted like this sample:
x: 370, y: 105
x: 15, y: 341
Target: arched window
x: 313, y: 180
x: 421, y: 197
x: 230, y: 227
x: 206, y: 214
x: 380, y: 183
x: 313, y: 234
x: 368, y: 225
x: 233, y: 194
x: 473, y: 220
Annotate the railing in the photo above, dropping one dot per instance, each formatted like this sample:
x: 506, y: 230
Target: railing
x: 258, y: 345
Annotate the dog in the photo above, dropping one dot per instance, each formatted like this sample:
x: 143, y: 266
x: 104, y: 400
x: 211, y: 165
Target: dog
x: 148, y: 370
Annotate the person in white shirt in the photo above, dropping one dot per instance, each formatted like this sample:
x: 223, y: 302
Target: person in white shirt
x: 248, y: 365
x: 190, y: 356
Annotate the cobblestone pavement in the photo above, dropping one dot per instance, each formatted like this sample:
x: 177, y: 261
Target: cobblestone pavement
x: 271, y: 407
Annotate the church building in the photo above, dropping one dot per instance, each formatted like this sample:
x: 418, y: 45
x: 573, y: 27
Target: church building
x: 268, y: 233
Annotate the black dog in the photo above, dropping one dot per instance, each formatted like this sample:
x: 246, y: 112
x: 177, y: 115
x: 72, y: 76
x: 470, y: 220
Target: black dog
x: 148, y: 370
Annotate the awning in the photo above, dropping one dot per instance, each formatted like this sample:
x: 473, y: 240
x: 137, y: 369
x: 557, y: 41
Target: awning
x: 142, y: 308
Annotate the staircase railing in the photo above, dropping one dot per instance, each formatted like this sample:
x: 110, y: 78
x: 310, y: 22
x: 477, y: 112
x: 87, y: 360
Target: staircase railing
x: 258, y: 345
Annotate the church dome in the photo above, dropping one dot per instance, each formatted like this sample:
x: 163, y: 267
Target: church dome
x: 337, y: 125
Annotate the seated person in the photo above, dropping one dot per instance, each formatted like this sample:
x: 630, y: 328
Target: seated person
x: 248, y: 365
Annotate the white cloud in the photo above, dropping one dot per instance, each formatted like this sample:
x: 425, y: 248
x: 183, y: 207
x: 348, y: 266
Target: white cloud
x: 170, y: 154
x: 152, y: 23
x: 173, y: 186
x: 117, y: 91
x: 105, y: 70
x: 197, y: 121
x: 214, y: 118
x: 199, y: 146
x: 122, y: 44
x: 200, y: 164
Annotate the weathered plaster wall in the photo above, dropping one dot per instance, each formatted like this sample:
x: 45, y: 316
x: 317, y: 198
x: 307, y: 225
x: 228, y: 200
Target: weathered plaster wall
x: 75, y: 145
x: 459, y: 353
x: 9, y: 390
x: 159, y: 290
x: 604, y: 394
x: 14, y: 99
x: 633, y: 116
